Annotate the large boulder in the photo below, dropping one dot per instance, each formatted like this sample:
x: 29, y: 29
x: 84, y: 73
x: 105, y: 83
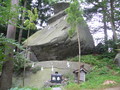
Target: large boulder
x: 54, y: 42
x: 117, y: 59
x: 60, y: 7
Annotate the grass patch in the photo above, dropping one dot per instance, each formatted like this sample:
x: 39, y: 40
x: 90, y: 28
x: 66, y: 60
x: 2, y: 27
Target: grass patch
x: 73, y: 86
x: 96, y: 81
x: 103, y: 69
x: 93, y: 60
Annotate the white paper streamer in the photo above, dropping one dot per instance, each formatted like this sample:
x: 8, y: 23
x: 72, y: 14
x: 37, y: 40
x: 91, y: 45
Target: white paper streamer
x: 52, y: 68
x: 68, y: 64
x: 41, y: 68
x: 33, y: 64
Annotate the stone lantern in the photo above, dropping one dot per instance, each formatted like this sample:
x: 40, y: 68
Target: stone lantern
x: 56, y: 78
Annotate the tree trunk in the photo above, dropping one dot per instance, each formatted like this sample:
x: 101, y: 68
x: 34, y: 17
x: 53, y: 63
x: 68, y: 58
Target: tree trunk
x: 105, y: 27
x: 21, y: 29
x: 7, y: 69
x: 6, y: 77
x: 112, y: 20
x: 114, y: 31
x: 79, y: 47
x: 26, y: 57
x: 40, y: 10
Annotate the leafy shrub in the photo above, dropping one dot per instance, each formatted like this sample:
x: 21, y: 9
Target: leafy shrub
x: 110, y: 55
x: 112, y: 44
x: 4, y: 45
x: 95, y: 60
x: 100, y: 48
x: 73, y: 86
x: 90, y: 59
x: 34, y: 70
x: 19, y: 61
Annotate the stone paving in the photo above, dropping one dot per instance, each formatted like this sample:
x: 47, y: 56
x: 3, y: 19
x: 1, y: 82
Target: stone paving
x: 56, y: 88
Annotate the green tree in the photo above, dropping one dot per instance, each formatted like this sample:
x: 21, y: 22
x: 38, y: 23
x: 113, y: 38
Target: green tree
x: 75, y: 17
x: 7, y: 69
x: 30, y: 25
x: 45, y: 9
x: 22, y: 21
x: 111, y: 17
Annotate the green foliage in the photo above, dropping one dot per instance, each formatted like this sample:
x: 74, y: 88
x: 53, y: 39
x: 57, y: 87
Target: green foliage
x: 100, y: 75
x: 103, y: 69
x: 90, y: 59
x: 100, y: 48
x: 71, y: 31
x: 7, y: 14
x: 4, y: 11
x: 33, y: 16
x: 19, y: 60
x: 97, y: 7
x: 34, y: 70
x: 98, y: 60
x: 73, y: 86
x: 74, y: 15
x: 96, y: 81
x: 4, y: 45
x: 108, y: 55
x: 112, y: 44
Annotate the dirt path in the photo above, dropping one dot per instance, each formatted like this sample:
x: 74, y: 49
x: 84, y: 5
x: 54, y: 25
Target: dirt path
x: 113, y: 88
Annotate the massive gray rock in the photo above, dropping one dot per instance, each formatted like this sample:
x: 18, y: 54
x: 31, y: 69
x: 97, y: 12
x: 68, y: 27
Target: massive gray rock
x: 60, y: 7
x: 54, y: 43
x: 117, y: 59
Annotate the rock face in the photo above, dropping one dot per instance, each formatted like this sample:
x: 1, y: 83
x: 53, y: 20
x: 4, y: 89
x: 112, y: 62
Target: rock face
x: 37, y: 79
x: 53, y: 42
x: 117, y: 59
x: 60, y: 7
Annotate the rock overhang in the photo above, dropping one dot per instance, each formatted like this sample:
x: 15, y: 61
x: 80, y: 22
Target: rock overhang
x: 53, y: 42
